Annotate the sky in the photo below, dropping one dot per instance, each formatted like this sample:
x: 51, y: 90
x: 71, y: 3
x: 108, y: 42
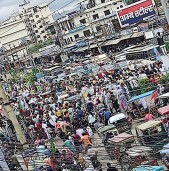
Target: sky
x: 9, y: 7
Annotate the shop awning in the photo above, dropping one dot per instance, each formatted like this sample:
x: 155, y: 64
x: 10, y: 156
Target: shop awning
x: 93, y: 46
x: 112, y: 42
x: 138, y: 34
x: 124, y: 37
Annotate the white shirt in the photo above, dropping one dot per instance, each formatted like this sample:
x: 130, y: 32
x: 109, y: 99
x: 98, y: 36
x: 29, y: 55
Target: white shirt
x: 91, y: 119
x: 53, y: 120
x: 89, y: 130
x: 80, y: 131
x: 143, y: 75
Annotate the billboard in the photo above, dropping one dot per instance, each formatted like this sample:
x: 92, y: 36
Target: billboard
x: 135, y: 13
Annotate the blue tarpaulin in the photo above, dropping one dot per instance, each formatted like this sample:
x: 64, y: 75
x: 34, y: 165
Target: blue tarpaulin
x: 148, y: 168
x: 141, y: 96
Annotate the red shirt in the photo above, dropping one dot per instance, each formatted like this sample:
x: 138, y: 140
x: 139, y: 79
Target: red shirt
x: 86, y: 133
x: 38, y: 125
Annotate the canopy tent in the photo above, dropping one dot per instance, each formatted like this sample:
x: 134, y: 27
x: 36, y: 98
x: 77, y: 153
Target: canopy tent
x: 116, y: 118
x: 121, y: 137
x: 138, y: 150
x: 141, y: 96
x: 106, y: 128
x: 148, y: 125
x: 148, y: 168
x: 164, y: 110
x: 163, y: 96
x: 165, y: 149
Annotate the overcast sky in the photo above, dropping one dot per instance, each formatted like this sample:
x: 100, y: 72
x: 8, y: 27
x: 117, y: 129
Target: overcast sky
x: 7, y: 7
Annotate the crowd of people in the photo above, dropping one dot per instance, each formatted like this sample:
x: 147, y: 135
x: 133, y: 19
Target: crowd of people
x: 73, y: 109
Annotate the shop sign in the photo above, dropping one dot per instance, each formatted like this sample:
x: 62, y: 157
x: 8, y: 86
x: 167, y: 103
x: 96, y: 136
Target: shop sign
x: 135, y: 13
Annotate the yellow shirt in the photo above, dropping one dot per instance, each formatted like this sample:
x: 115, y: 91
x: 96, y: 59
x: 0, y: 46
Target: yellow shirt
x: 58, y: 113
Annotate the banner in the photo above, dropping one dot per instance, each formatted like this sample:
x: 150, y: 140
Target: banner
x: 135, y: 13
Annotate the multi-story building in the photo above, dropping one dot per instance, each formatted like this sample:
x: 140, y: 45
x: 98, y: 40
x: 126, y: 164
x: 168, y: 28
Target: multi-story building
x: 36, y: 19
x: 96, y: 19
x: 31, y: 24
x: 12, y: 31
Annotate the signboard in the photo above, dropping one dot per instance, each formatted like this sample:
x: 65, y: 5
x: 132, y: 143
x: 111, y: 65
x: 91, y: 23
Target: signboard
x: 136, y: 12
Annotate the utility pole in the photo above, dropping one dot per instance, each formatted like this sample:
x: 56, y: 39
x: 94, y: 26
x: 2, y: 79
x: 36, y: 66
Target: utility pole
x: 166, y: 10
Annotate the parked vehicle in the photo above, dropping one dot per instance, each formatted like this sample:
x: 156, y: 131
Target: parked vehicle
x: 118, y: 144
x: 121, y: 122
x: 153, y: 134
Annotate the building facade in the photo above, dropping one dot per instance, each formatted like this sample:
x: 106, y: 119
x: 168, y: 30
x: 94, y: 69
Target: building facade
x: 31, y: 24
x: 12, y: 31
x: 36, y: 19
x: 97, y: 19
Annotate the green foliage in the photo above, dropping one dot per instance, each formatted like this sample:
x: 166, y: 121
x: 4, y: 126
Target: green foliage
x: 145, y: 85
x: 35, y: 71
x: 36, y: 47
x: 165, y: 79
x: 30, y: 78
x: 167, y: 46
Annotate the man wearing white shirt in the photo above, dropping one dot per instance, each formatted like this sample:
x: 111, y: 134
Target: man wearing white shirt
x: 53, y: 119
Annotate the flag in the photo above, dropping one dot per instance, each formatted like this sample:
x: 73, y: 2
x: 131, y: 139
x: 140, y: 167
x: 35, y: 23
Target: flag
x: 52, y: 147
x: 154, y: 95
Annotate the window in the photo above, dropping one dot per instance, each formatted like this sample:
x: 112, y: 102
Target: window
x: 44, y: 37
x: 96, y: 16
x: 68, y: 41
x: 98, y: 28
x: 65, y: 41
x: 71, y: 39
x: 39, y: 21
x: 30, y: 15
x: 42, y: 31
x: 121, y: 6
x: 87, y: 33
x: 32, y: 20
x: 37, y: 16
x: 82, y: 21
x: 40, y: 26
x: 38, y: 36
x: 93, y: 11
x: 36, y: 31
x: 107, y: 12
x: 34, y: 26
x: 76, y: 36
x: 103, y: 1
x: 40, y: 41
x: 35, y: 9
x: 117, y: 7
